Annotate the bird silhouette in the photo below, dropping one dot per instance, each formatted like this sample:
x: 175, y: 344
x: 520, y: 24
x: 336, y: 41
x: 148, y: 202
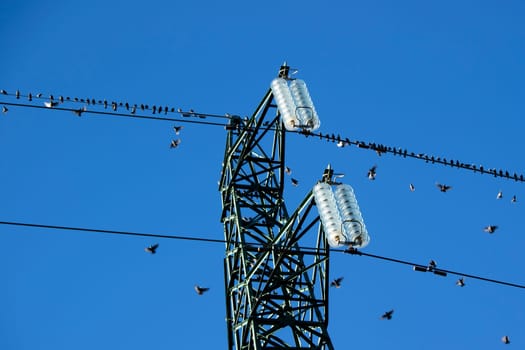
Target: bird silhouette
x: 17, y: 94
x: 3, y: 92
x: 499, y: 195
x: 79, y: 111
x: 152, y: 249
x: 490, y: 228
x: 4, y: 109
x: 177, y: 129
x: 175, y: 143
x: 505, y: 339
x: 431, y: 265
x: 372, y: 173
x: 133, y: 109
x: 200, y: 290
x: 337, y: 282
x: 514, y: 199
x: 287, y: 170
x: 443, y: 188
x: 412, y: 188
x: 387, y: 315
x: 460, y: 282
x: 295, y: 182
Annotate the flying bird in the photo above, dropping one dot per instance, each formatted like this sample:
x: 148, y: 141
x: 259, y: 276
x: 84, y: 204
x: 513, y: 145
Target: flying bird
x: 337, y: 282
x: 178, y: 129
x: 201, y: 290
x: 287, y: 170
x: 505, y: 339
x: 175, y: 143
x: 499, y: 195
x: 4, y: 109
x: 51, y: 104
x: 295, y: 182
x: 460, y: 282
x: 152, y: 248
x: 490, y: 228
x: 372, y: 173
x: 443, y: 188
x: 387, y: 315
x: 412, y: 188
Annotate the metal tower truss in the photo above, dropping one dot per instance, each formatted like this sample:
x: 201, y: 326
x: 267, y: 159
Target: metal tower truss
x: 276, y: 289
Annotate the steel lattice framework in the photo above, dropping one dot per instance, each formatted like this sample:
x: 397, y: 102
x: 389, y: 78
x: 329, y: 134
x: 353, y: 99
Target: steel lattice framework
x: 276, y: 290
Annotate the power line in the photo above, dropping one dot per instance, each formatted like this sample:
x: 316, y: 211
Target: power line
x: 259, y: 247
x: 340, y: 140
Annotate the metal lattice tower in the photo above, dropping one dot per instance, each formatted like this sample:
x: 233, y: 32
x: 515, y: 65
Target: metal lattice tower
x: 276, y: 288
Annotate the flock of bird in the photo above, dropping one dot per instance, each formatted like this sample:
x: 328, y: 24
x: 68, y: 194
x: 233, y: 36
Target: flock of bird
x: 152, y: 249
x: 371, y: 174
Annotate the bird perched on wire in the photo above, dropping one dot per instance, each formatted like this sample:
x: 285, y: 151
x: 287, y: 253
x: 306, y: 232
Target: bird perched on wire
x: 51, y: 104
x: 4, y: 109
x: 499, y: 195
x: 431, y: 265
x: 175, y: 143
x: 443, y: 188
x: 513, y: 199
x: 177, y: 129
x: 337, y: 282
x: 490, y: 228
x: 79, y: 111
x: 295, y: 182
x: 505, y: 339
x: 152, y: 249
x: 200, y: 290
x: 387, y: 315
x: 460, y: 282
x: 372, y: 173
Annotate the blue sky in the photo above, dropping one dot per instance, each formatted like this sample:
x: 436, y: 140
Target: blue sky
x: 442, y: 78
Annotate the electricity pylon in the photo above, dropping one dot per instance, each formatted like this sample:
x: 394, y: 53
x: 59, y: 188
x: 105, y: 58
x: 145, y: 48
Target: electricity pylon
x: 276, y: 265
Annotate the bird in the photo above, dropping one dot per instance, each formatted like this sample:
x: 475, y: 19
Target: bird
x: 341, y: 144
x: 50, y: 104
x: 412, y: 188
x: 4, y: 109
x: 387, y: 315
x: 30, y: 97
x: 372, y: 173
x: 287, y: 170
x: 505, y: 339
x: 152, y: 248
x: 175, y: 143
x: 17, y: 94
x: 295, y: 182
x: 443, y: 188
x: 431, y: 265
x: 79, y: 111
x: 133, y: 109
x: 490, y: 228
x: 177, y: 129
x: 201, y: 290
x: 499, y: 195
x: 39, y: 95
x: 460, y: 282
x: 3, y: 92
x: 337, y: 282
x: 513, y: 199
